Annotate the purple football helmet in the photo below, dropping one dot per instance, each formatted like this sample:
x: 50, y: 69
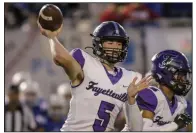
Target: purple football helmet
x: 110, y: 31
x: 171, y: 69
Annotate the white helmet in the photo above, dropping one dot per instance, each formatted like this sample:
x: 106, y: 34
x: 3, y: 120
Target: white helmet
x: 29, y: 86
x: 56, y: 100
x: 56, y: 106
x: 30, y: 92
x: 64, y: 89
x: 20, y: 77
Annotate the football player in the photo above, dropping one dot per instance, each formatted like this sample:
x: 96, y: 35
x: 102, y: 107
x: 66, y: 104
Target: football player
x: 17, y: 79
x: 163, y: 108
x: 31, y: 97
x: 100, y: 89
x: 64, y: 90
x: 56, y: 113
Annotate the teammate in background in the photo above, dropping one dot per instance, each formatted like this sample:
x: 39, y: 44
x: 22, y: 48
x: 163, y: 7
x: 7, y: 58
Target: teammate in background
x: 163, y: 108
x: 64, y: 90
x: 31, y: 98
x: 56, y: 113
x: 99, y: 88
x: 120, y: 120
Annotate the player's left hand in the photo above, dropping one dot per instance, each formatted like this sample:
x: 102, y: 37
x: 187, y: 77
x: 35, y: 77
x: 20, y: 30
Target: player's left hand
x: 183, y: 120
x: 134, y: 88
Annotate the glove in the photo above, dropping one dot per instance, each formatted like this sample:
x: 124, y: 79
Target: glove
x: 183, y: 120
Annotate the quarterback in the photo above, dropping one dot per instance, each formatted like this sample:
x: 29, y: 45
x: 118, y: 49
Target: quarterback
x: 100, y: 89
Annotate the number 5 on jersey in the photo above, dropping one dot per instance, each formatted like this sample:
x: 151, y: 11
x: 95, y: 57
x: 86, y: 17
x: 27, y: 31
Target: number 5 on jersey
x: 100, y: 124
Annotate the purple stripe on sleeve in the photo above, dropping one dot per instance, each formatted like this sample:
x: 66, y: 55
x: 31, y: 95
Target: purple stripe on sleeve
x: 77, y: 55
x: 147, y: 100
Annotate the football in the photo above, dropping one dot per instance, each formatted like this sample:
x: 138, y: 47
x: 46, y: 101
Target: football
x: 50, y: 17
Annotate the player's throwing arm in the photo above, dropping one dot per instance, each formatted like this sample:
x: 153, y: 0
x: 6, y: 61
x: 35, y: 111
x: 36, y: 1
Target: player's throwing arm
x: 50, y: 26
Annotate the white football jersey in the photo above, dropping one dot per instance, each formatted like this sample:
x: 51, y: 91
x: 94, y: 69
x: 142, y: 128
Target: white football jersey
x: 154, y: 100
x: 97, y: 101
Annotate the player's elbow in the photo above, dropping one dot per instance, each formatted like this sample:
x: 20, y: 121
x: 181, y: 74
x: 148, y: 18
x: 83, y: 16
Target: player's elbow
x: 60, y: 60
x: 55, y: 60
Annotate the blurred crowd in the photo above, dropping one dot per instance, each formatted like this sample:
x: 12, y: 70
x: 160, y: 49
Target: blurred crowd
x: 16, y: 14
x: 48, y: 115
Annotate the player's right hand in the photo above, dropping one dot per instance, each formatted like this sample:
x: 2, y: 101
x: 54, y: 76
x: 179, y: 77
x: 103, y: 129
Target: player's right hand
x: 183, y: 120
x: 48, y: 33
x: 134, y: 87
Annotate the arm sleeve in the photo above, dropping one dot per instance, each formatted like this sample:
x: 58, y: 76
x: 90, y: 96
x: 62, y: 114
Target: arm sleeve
x: 78, y: 55
x: 147, y: 100
x: 148, y: 126
x: 133, y: 117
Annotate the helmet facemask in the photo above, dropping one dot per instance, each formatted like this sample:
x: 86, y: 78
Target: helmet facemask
x: 30, y: 92
x: 181, y: 82
x: 178, y: 79
x: 111, y: 55
x: 57, y: 106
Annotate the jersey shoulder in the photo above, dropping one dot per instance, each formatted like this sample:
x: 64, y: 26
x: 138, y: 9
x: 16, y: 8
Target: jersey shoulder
x: 130, y: 74
x: 82, y: 57
x: 147, y: 99
x: 79, y: 55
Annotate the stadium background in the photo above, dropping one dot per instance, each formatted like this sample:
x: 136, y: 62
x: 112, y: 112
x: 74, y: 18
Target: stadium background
x: 152, y: 27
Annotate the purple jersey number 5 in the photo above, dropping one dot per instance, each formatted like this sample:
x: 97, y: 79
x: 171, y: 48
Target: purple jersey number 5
x: 104, y: 116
